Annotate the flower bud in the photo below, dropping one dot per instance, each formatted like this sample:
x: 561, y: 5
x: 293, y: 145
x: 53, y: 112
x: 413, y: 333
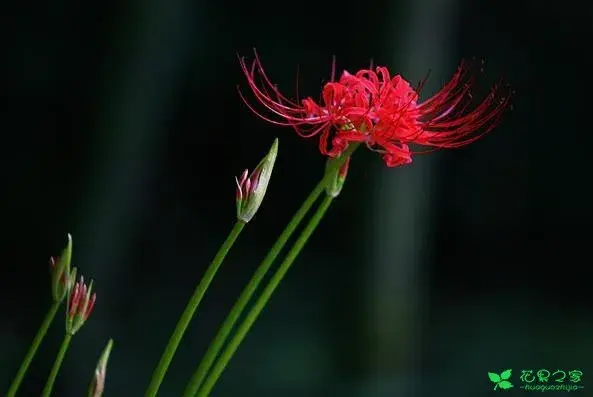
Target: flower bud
x: 251, y: 189
x: 60, y: 269
x: 98, y: 382
x: 336, y: 182
x: 80, y: 305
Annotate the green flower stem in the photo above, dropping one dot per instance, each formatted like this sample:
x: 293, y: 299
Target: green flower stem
x: 57, y: 364
x: 190, y: 309
x: 198, y: 377
x: 214, y: 348
x: 263, y: 299
x: 49, y: 317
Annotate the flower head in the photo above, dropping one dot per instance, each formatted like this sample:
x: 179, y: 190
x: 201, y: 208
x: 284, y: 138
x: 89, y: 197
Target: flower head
x: 62, y: 276
x: 381, y: 111
x: 251, y: 188
x: 98, y: 383
x: 80, y: 305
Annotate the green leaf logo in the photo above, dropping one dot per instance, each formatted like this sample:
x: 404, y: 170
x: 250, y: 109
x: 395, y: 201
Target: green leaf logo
x: 505, y: 385
x: 501, y: 381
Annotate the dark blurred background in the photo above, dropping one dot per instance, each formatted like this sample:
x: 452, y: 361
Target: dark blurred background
x: 122, y: 125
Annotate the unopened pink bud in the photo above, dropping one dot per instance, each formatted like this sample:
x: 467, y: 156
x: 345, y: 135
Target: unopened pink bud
x: 80, y: 306
x: 98, y: 383
x: 252, y: 189
x: 60, y: 272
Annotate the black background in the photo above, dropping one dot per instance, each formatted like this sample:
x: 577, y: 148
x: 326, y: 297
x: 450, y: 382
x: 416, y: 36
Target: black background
x: 122, y: 125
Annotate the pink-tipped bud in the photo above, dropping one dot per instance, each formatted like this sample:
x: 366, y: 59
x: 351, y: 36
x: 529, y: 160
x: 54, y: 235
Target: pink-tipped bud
x: 251, y: 189
x: 52, y: 262
x: 80, y: 305
x: 240, y: 183
x: 98, y: 383
x: 336, y: 182
x: 60, y: 272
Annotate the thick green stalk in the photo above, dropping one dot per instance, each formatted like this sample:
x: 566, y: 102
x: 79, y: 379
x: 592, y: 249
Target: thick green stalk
x: 226, y: 328
x: 263, y: 299
x: 190, y: 309
x: 49, y: 385
x: 49, y: 317
x: 231, y: 319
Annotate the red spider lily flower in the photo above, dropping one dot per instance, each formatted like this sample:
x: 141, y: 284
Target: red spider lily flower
x: 80, y: 306
x: 381, y: 111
